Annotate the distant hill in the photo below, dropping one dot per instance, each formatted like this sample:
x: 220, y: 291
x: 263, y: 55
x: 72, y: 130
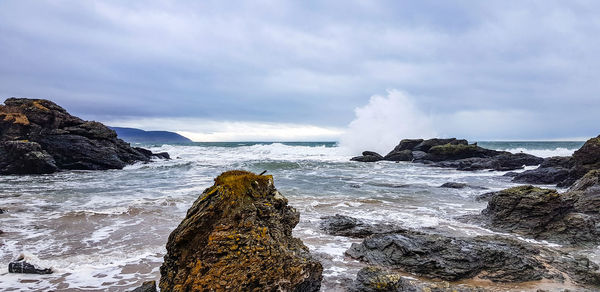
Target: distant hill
x: 133, y: 135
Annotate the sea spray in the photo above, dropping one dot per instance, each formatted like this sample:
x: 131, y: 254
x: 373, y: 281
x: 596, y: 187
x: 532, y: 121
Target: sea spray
x: 384, y: 121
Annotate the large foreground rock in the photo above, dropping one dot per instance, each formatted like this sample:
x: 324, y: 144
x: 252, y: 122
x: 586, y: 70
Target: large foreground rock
x: 493, y: 258
x: 237, y: 236
x: 38, y: 136
x: 453, y: 153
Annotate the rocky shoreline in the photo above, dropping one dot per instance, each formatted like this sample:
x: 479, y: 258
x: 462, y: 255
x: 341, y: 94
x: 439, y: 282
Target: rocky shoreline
x: 38, y: 137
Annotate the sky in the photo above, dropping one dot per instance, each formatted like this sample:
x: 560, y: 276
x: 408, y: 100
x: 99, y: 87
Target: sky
x: 312, y: 70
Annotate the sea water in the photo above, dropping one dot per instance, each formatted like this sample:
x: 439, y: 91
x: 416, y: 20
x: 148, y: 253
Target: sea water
x: 107, y: 230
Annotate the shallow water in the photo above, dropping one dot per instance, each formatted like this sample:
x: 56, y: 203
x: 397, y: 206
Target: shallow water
x: 107, y: 230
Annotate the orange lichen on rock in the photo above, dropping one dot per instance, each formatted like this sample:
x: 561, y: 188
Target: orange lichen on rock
x: 38, y: 105
x: 238, y: 236
x: 17, y: 118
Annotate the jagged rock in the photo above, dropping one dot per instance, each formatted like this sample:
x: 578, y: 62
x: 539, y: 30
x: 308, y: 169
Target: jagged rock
x: 22, y: 267
x: 488, y: 257
x: 368, y: 156
x: 341, y: 225
x: 42, y: 137
x: 238, y: 236
x: 377, y: 279
x: 545, y: 214
x: 546, y: 175
x: 149, y: 286
x: 453, y: 153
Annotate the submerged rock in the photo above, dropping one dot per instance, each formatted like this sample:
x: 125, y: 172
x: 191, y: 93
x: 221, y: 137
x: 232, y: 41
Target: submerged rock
x: 488, y: 257
x: 377, y: 279
x: 38, y: 136
x: 22, y: 267
x: 238, y: 236
x: 454, y: 185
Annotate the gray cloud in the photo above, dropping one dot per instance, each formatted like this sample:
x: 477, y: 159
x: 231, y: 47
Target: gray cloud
x: 310, y: 62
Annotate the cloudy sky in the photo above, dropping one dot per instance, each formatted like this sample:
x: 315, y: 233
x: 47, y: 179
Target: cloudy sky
x: 310, y: 70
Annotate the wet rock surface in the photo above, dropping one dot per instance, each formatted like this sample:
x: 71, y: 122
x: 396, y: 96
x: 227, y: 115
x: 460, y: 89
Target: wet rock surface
x: 149, y: 286
x: 493, y: 258
x: 20, y: 266
x: 453, y: 153
x: 238, y: 236
x: 37, y: 136
x: 341, y: 225
x: 569, y: 218
x: 377, y: 279
x: 564, y: 171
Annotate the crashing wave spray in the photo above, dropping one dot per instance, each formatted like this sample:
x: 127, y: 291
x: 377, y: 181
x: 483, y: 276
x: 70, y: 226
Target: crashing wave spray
x: 384, y: 121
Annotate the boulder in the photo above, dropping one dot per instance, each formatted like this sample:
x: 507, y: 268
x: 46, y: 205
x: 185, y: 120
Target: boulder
x: 404, y: 155
x: 494, y: 258
x: 426, y: 145
x: 45, y: 138
x: 368, y: 156
x: 569, y: 218
x: 454, y: 185
x: 377, y: 279
x: 238, y: 236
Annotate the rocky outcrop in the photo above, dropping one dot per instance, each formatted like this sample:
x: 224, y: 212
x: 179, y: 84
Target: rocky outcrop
x: 453, y: 153
x: 569, y: 218
x: 38, y: 136
x: 237, y: 236
x: 494, y: 258
x: 564, y: 171
x: 377, y: 279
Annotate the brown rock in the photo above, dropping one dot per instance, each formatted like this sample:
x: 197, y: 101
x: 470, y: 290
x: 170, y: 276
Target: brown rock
x: 238, y: 236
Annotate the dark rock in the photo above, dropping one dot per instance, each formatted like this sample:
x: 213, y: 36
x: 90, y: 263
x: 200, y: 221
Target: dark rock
x: 42, y: 137
x: 341, y: 225
x: 24, y: 157
x: 485, y: 197
x: 511, y: 174
x: 238, y: 236
x: 454, y: 185
x: 585, y: 194
x: 377, y: 279
x: 404, y: 155
x: 547, y: 175
x: 488, y: 257
x: 419, y: 155
x: 407, y: 144
x: 162, y: 155
x: 368, y: 156
x: 428, y: 144
x: 149, y: 286
x: 458, y: 151
x: 22, y: 267
x: 544, y: 214
x: 2, y: 211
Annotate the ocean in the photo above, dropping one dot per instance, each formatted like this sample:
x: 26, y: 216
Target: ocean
x: 107, y: 230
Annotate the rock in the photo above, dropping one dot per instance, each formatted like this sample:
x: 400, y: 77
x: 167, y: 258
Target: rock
x: 453, y: 153
x: 22, y: 267
x: 149, y: 286
x: 586, y: 194
x: 404, y: 155
x: 377, y: 279
x: 488, y: 257
x: 238, y: 236
x: 544, y: 214
x: 42, y: 137
x: 547, y: 175
x: 368, y: 156
x: 454, y: 185
x: 426, y: 145
x: 341, y: 225
x: 24, y: 157
x: 148, y: 153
